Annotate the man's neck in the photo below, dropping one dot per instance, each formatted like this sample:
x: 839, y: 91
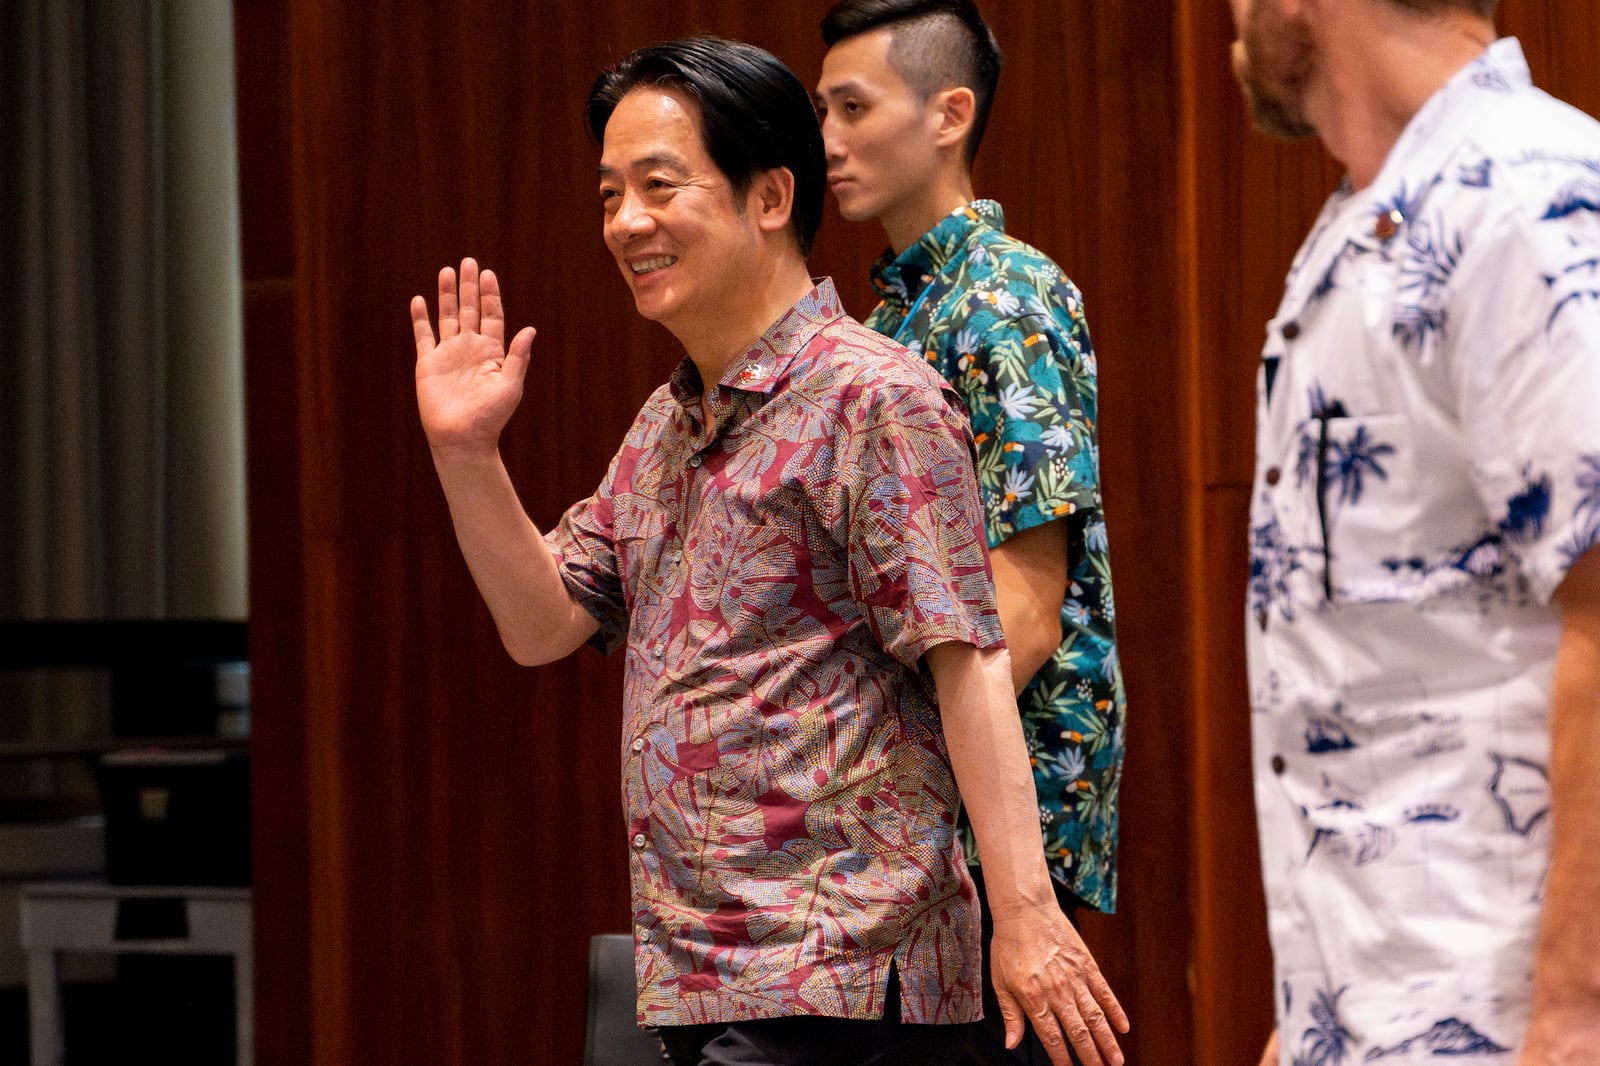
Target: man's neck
x: 713, y: 344
x: 906, y: 222
x: 1387, y: 68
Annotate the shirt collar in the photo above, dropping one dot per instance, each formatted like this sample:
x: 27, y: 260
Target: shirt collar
x: 901, y: 277
x: 762, y: 365
x: 1435, y: 132
x: 1371, y: 220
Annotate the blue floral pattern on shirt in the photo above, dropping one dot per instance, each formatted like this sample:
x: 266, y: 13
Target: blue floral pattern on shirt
x: 1006, y: 328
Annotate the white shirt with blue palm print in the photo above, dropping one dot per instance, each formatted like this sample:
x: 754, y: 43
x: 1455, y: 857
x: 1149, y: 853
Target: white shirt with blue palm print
x: 1428, y: 468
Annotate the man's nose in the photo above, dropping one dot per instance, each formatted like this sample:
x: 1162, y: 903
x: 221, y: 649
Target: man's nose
x: 631, y: 217
x: 832, y: 143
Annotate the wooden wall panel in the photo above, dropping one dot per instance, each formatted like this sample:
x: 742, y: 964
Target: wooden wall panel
x: 438, y: 831
x: 1246, y: 203
x: 1085, y: 121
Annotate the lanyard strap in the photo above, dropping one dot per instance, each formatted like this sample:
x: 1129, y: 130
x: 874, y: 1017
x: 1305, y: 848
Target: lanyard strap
x: 905, y: 323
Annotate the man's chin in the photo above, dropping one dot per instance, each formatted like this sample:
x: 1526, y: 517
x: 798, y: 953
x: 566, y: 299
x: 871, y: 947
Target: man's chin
x: 1268, y: 113
x: 1273, y: 119
x: 853, y: 209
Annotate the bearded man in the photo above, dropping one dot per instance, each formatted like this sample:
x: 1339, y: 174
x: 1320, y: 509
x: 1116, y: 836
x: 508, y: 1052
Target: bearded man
x: 1424, y: 623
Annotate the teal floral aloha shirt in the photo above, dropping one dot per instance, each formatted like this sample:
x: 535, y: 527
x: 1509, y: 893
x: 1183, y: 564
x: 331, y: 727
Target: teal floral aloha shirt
x: 1006, y: 328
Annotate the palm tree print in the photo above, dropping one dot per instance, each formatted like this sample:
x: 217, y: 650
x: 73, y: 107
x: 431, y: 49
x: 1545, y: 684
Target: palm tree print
x: 1354, y: 460
x: 1586, y: 516
x: 1326, y: 1042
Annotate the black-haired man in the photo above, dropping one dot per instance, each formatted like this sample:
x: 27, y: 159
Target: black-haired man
x: 782, y: 543
x: 904, y: 97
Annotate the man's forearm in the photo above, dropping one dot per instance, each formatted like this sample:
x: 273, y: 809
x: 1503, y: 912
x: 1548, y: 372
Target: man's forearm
x: 1567, y: 970
x: 537, y: 617
x: 990, y: 760
x: 1030, y: 582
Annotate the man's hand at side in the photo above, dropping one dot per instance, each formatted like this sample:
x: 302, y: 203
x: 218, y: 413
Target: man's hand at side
x: 1039, y: 965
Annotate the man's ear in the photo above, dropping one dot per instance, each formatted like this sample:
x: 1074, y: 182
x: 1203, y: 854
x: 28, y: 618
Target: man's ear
x: 953, y: 111
x: 772, y: 199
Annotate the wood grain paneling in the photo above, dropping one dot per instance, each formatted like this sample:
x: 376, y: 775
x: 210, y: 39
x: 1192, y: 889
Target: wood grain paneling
x: 438, y: 831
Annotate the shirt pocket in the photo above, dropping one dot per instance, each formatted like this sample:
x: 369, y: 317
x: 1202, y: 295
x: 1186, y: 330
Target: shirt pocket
x: 1362, y: 509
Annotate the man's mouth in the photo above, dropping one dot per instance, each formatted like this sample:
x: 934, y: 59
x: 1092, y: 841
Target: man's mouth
x: 654, y: 263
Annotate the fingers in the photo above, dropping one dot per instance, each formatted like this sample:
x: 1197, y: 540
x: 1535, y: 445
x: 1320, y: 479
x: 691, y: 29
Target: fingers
x: 469, y: 295
x: 473, y: 305
x: 1105, y: 1002
x: 1098, y: 1027
x: 449, y: 321
x: 421, y: 328
x: 492, y: 321
x: 1062, y: 1017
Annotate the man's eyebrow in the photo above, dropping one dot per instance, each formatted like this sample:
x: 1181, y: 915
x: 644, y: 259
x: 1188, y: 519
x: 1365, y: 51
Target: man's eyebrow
x: 664, y: 160
x: 844, y: 88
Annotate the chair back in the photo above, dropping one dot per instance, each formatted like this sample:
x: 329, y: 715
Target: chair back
x: 614, y: 1037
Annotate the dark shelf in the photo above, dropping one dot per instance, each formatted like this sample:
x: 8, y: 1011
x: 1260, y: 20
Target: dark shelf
x: 94, y: 749
x: 26, y: 645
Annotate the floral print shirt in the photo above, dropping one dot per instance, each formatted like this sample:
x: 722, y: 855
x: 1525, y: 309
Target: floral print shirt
x: 1006, y: 328
x: 775, y: 577
x: 1428, y: 469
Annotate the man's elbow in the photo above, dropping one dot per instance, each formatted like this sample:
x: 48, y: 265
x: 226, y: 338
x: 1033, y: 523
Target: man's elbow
x: 1029, y: 654
x: 528, y: 652
x: 535, y: 645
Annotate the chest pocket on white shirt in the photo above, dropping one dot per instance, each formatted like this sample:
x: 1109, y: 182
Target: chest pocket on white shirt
x: 1360, y: 505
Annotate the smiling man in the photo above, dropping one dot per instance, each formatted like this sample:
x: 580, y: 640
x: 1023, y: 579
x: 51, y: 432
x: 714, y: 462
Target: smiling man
x: 785, y: 547
x: 904, y: 98
x: 1424, y: 633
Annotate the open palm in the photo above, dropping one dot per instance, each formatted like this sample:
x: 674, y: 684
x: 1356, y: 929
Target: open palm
x: 468, y: 382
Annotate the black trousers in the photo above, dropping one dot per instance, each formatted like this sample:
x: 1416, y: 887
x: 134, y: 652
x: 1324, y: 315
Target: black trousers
x: 985, y: 1041
x: 813, y: 1041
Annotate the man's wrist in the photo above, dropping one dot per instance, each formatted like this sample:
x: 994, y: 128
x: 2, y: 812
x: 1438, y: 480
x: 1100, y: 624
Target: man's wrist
x: 466, y: 456
x: 1021, y: 902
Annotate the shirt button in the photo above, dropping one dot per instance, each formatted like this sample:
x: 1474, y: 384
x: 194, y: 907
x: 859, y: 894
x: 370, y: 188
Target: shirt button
x: 639, y: 840
x: 695, y: 460
x: 1388, y: 224
x: 1278, y: 766
x: 1291, y: 330
x: 638, y: 744
x: 1273, y: 475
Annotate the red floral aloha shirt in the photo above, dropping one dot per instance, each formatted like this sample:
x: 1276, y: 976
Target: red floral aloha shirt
x: 776, y: 578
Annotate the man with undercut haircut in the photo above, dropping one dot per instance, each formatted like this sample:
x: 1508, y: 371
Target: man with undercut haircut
x: 1424, y: 624
x: 904, y: 97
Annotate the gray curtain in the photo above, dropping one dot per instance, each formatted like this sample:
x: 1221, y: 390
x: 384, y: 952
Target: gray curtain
x: 121, y: 397
x: 121, y: 382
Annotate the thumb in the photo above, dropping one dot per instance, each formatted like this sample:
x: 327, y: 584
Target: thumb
x: 520, y: 354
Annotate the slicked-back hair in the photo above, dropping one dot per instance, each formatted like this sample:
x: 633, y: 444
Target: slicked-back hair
x: 935, y: 44
x: 755, y: 115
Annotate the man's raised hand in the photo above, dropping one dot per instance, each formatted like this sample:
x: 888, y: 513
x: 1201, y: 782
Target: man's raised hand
x: 468, y: 382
